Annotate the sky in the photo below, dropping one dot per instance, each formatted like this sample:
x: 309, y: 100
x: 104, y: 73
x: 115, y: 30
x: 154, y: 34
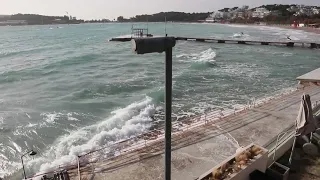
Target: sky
x: 111, y: 9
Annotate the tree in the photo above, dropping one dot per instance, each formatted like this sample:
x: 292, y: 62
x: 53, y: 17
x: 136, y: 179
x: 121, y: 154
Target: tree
x: 224, y: 10
x: 171, y: 16
x: 234, y: 8
x: 120, y: 19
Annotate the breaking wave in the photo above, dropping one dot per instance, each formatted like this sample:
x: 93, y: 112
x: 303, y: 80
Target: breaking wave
x: 207, y: 56
x: 123, y: 123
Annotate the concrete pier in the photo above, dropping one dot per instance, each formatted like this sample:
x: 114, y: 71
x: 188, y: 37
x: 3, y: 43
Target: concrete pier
x: 312, y: 45
x: 197, y: 150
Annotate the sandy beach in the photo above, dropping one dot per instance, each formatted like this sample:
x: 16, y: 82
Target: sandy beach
x: 306, y: 29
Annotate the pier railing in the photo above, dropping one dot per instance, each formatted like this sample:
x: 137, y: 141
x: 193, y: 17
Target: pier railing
x: 120, y: 152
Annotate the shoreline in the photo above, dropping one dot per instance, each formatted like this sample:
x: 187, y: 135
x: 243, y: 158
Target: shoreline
x: 306, y: 29
x: 284, y: 26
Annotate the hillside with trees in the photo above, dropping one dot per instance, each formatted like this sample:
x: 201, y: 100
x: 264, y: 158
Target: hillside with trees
x: 270, y: 14
x: 35, y: 19
x: 169, y: 16
x: 290, y: 13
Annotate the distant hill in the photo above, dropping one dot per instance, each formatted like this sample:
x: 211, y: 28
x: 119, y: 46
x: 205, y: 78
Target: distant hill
x: 35, y: 19
x: 4, y: 17
x: 169, y: 16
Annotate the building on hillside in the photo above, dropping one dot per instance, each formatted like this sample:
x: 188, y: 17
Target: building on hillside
x: 316, y: 11
x: 293, y: 9
x: 248, y: 13
x: 238, y: 15
x: 59, y: 21
x: 210, y: 18
x: 218, y: 15
x: 305, y: 11
x: 260, y: 13
x: 226, y: 15
x: 275, y: 13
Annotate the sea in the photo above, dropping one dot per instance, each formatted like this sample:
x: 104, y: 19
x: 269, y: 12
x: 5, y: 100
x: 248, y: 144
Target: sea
x: 66, y: 90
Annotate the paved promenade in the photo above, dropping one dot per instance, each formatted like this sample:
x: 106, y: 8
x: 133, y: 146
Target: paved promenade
x: 198, y: 149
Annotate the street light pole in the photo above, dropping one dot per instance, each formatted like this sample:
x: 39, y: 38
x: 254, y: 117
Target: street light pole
x: 162, y: 44
x: 31, y: 153
x: 168, y: 104
x: 24, y: 172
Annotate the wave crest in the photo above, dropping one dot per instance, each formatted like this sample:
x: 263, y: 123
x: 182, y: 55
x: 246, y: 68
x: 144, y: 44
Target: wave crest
x: 208, y: 55
x: 123, y: 123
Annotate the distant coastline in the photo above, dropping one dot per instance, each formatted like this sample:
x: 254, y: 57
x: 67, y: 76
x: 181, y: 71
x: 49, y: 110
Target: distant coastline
x: 300, y: 15
x: 35, y: 19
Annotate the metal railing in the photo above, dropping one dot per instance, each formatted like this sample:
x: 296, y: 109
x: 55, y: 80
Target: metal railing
x: 119, y: 149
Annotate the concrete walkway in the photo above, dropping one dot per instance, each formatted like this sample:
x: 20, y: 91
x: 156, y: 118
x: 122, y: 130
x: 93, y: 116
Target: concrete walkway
x: 198, y: 150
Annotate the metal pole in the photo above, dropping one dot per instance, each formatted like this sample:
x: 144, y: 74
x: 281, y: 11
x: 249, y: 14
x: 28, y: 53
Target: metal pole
x: 24, y: 172
x: 168, y: 102
x: 292, y: 150
x: 165, y: 26
x: 79, y: 174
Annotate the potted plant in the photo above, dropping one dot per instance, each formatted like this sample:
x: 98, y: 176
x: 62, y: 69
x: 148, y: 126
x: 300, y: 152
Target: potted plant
x: 240, y: 165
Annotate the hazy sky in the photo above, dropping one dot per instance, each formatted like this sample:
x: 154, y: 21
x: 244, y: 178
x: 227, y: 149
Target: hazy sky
x: 96, y: 9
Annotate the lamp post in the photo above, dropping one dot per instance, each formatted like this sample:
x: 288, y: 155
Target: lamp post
x: 162, y: 44
x: 30, y: 153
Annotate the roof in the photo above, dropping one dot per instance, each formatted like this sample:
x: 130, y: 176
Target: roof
x: 313, y: 76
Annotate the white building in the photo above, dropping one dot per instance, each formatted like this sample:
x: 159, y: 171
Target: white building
x: 210, y: 18
x: 307, y: 11
x: 293, y: 9
x: 260, y: 13
x: 315, y: 11
x: 238, y: 15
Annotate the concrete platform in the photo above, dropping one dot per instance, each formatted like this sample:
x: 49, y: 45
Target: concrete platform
x: 198, y: 150
x: 313, y: 76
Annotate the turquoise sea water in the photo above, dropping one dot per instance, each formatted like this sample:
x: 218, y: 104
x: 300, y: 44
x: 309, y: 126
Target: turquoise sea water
x: 66, y: 90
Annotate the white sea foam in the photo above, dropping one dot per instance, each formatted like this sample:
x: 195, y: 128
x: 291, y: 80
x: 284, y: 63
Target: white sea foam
x: 18, y: 148
x: 30, y: 125
x: 123, y: 123
x: 50, y: 117
x: 204, y: 56
x: 238, y: 26
x: 237, y: 35
x: 281, y: 33
x: 71, y: 118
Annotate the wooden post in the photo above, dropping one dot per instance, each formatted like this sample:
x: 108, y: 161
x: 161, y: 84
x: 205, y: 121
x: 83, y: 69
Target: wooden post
x: 313, y: 45
x: 290, y: 44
